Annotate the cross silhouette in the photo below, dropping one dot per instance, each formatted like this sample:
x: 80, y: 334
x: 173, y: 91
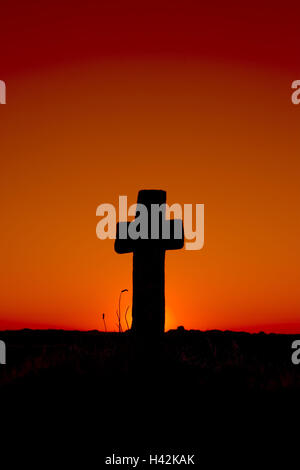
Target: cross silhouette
x: 148, y: 302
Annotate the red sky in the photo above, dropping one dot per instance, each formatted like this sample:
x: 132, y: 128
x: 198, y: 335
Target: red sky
x: 106, y: 98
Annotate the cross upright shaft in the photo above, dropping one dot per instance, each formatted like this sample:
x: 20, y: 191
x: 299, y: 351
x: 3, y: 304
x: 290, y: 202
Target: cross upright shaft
x: 148, y: 302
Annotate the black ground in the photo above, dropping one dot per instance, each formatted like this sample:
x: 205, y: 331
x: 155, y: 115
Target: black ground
x: 212, y: 392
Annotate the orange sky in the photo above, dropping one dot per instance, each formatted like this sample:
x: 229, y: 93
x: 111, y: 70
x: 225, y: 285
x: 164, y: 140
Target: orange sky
x: 79, y: 133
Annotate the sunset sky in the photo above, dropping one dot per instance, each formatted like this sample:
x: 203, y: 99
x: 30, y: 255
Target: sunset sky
x: 108, y: 97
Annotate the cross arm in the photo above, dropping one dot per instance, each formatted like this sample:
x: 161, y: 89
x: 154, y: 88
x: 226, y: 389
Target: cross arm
x: 122, y: 244
x: 176, y: 240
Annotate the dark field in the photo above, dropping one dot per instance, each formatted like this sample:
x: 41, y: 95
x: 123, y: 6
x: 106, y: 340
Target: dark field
x: 191, y: 388
x: 205, y: 360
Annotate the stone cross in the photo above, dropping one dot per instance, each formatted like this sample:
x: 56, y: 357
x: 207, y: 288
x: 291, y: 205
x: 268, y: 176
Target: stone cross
x: 148, y: 303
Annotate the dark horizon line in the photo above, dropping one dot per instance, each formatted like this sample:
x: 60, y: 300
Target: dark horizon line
x: 178, y: 329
